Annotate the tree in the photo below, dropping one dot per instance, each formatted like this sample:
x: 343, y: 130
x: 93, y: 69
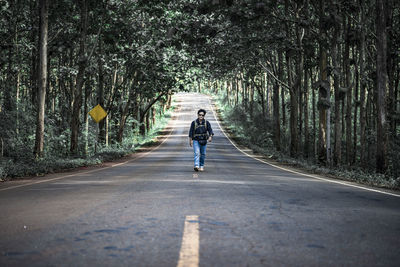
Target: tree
x: 42, y: 79
x: 381, y: 86
x: 324, y: 94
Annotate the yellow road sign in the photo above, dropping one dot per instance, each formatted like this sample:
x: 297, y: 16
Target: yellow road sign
x: 98, y: 113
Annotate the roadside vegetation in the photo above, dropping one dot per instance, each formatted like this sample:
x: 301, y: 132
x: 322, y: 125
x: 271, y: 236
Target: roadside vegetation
x: 257, y: 135
x: 23, y: 163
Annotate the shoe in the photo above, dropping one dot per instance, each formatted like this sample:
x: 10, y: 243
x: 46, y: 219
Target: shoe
x: 201, y: 168
x: 196, y: 168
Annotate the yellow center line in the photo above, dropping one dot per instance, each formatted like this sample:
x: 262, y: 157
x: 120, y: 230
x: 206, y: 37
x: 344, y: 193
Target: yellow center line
x: 189, y: 254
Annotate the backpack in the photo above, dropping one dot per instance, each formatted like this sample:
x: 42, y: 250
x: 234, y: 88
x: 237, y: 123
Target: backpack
x: 202, y: 137
x: 196, y: 125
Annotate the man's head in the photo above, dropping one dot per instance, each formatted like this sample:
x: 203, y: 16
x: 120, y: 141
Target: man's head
x: 201, y: 113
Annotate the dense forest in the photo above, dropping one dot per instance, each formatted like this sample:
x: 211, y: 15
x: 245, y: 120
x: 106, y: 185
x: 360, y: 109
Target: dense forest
x: 314, y: 79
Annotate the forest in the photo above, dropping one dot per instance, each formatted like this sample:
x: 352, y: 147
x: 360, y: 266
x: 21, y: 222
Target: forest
x: 313, y: 80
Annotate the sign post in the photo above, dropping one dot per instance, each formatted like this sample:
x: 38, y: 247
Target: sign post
x: 97, y: 114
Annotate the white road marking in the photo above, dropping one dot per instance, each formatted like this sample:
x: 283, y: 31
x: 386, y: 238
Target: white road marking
x: 299, y: 173
x: 189, y: 254
x: 83, y: 182
x: 50, y: 189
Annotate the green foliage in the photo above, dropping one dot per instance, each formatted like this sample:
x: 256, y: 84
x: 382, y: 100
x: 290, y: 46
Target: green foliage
x: 254, y: 135
x: 22, y: 163
x: 249, y: 130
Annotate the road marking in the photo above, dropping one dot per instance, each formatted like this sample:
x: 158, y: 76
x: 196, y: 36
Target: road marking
x: 189, y: 254
x: 299, y: 173
x: 101, y: 169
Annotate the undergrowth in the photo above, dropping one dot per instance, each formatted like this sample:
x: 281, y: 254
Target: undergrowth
x: 25, y: 164
x: 256, y: 135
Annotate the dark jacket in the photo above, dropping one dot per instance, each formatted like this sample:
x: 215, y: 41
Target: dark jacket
x: 201, y: 132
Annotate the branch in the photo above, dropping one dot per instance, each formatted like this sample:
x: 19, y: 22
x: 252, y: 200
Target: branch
x: 95, y: 44
x: 150, y: 104
x: 273, y: 76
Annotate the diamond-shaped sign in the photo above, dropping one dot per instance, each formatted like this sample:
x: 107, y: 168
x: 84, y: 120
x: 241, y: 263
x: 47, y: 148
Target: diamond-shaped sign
x: 98, y: 113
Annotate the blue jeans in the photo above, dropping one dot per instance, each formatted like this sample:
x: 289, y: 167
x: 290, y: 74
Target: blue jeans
x: 199, y: 153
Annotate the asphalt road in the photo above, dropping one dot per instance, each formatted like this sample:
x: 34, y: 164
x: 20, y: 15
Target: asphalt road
x: 154, y: 210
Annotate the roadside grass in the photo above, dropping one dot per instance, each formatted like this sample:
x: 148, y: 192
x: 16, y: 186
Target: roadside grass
x: 28, y: 166
x: 238, y: 128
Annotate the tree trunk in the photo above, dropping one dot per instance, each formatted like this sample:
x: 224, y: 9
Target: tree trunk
x: 294, y: 95
x: 237, y: 90
x: 306, y: 117
x: 124, y: 116
x: 9, y: 104
x: 363, y: 139
x: 323, y: 149
x: 76, y: 109
x: 34, y: 62
x: 86, y: 119
x: 337, y: 155
x: 169, y: 99
x: 251, y: 100
x: 391, y: 63
x: 356, y: 107
x: 280, y: 77
x: 144, y: 112
x: 314, y: 116
x: 381, y: 83
x: 349, y: 96
x: 153, y: 116
x: 42, y: 79
x: 100, y: 94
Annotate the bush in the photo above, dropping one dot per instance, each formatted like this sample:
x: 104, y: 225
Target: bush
x: 21, y: 162
x: 256, y: 134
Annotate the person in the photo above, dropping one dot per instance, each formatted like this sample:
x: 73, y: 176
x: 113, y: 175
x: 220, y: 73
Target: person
x: 199, y: 134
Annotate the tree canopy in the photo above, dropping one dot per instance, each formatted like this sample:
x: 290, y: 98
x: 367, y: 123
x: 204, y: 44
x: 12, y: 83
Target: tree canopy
x: 310, y: 72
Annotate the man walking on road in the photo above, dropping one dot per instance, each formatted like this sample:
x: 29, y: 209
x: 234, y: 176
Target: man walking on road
x: 200, y: 132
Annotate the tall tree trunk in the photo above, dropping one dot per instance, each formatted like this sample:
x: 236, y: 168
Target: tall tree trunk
x: 153, y: 116
x: 34, y: 62
x: 280, y: 77
x: 323, y: 147
x: 86, y: 118
x: 9, y: 101
x: 337, y: 154
x: 363, y: 139
x: 237, y: 90
x: 124, y: 116
x: 381, y: 72
x: 356, y: 107
x: 295, y: 93
x: 251, y: 99
x: 76, y: 109
x: 148, y: 123
x: 306, y: 147
x: 169, y: 99
x: 391, y: 55
x: 42, y: 79
x: 349, y: 97
x: 100, y: 94
x: 314, y: 116
x: 277, y: 125
x: 306, y: 117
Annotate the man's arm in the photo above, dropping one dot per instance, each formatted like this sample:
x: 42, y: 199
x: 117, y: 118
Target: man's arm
x: 210, y: 131
x: 190, y: 141
x: 191, y: 134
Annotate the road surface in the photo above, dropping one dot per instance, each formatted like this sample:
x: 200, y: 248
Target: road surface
x: 154, y: 210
